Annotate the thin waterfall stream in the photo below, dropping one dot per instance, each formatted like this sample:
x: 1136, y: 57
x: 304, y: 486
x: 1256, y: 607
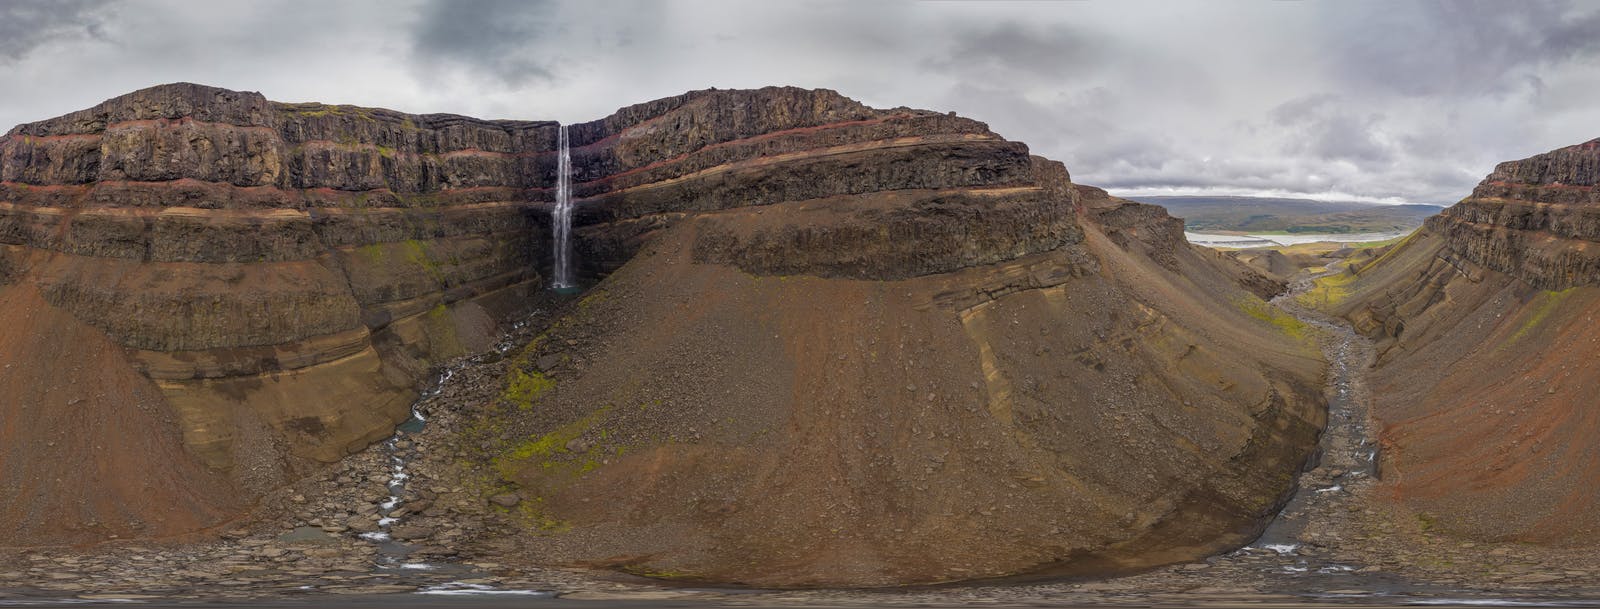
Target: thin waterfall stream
x: 561, y: 216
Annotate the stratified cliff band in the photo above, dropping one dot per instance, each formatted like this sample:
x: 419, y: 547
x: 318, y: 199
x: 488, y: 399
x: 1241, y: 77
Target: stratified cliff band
x: 825, y: 344
x: 1485, y: 318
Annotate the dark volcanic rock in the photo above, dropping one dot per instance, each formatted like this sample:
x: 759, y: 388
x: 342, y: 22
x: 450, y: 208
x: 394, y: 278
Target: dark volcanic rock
x: 1485, y: 318
x: 830, y: 344
x: 1537, y: 219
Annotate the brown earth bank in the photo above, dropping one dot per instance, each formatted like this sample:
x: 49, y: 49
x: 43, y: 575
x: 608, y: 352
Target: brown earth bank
x: 1485, y: 322
x: 829, y: 344
x: 854, y: 367
x: 250, y: 289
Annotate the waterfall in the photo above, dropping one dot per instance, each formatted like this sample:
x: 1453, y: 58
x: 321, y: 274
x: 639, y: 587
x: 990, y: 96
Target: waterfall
x: 561, y: 218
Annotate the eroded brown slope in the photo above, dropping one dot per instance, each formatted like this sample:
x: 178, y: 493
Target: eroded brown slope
x: 90, y: 447
x: 278, y: 275
x: 1486, y: 321
x: 879, y: 360
x: 840, y: 345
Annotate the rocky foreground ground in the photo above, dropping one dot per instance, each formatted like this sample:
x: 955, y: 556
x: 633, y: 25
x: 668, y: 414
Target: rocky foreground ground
x: 1349, y: 545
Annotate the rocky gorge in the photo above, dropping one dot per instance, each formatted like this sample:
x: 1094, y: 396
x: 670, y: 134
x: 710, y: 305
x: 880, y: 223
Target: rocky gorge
x: 275, y: 281
x: 816, y: 345
x: 1483, y: 319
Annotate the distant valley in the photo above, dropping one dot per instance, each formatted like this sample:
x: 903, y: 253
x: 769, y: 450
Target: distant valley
x: 1275, y: 215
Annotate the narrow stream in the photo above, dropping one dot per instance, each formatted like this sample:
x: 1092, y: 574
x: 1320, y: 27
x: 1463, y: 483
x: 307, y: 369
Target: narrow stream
x: 1347, y: 454
x: 393, y: 552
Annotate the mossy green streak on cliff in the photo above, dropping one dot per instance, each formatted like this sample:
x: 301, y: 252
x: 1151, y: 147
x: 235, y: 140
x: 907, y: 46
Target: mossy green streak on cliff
x: 1284, y: 322
x: 416, y: 252
x: 1539, y: 310
x: 316, y: 110
x: 1397, y: 246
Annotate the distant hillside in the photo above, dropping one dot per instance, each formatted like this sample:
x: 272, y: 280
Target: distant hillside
x: 1262, y: 214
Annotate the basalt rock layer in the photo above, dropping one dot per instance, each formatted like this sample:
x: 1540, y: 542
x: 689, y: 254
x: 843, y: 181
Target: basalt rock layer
x: 829, y: 345
x: 836, y: 345
x: 1485, y: 319
x: 266, y: 281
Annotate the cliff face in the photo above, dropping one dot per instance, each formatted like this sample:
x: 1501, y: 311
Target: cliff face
x: 279, y: 275
x: 846, y: 346
x: 1537, y: 219
x: 830, y: 344
x: 709, y: 151
x: 1484, y: 318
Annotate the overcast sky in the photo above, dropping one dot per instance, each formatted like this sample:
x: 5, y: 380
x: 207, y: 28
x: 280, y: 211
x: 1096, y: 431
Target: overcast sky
x: 1384, y: 100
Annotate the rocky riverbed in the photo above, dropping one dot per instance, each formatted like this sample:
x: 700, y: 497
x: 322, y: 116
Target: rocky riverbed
x: 1338, y: 540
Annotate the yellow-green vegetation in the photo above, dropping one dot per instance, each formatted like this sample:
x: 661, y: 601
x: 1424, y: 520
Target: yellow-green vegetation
x: 315, y: 110
x: 1369, y: 244
x: 416, y: 252
x: 543, y: 452
x: 1426, y: 522
x: 1398, y: 245
x: 594, y: 297
x: 373, y: 252
x: 533, y: 515
x: 1284, y: 322
x: 1328, y: 291
x: 385, y: 151
x: 530, y: 512
x: 525, y: 387
x: 412, y: 251
x: 1539, y: 309
x: 441, y: 331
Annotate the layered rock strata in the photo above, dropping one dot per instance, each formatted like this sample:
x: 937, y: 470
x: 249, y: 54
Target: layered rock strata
x: 844, y: 346
x: 830, y: 345
x: 1537, y: 219
x: 1485, y: 317
x: 281, y: 275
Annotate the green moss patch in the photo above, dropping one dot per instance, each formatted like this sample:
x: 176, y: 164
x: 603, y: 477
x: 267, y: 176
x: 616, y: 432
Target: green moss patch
x: 525, y: 387
x: 547, y: 455
x: 1288, y: 324
x: 1539, y: 310
x: 1328, y: 291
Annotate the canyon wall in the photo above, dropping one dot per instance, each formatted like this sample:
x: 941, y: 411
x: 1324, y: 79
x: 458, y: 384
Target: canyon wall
x: 272, y: 280
x: 828, y: 344
x: 1485, y: 319
x: 837, y: 345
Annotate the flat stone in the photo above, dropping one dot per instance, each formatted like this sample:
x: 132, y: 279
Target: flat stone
x: 547, y: 362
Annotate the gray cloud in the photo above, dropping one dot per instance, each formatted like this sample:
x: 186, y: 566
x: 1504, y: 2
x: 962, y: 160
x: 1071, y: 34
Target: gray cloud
x: 28, y: 24
x: 1001, y: 51
x: 1453, y: 47
x: 1320, y: 126
x: 496, y: 37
